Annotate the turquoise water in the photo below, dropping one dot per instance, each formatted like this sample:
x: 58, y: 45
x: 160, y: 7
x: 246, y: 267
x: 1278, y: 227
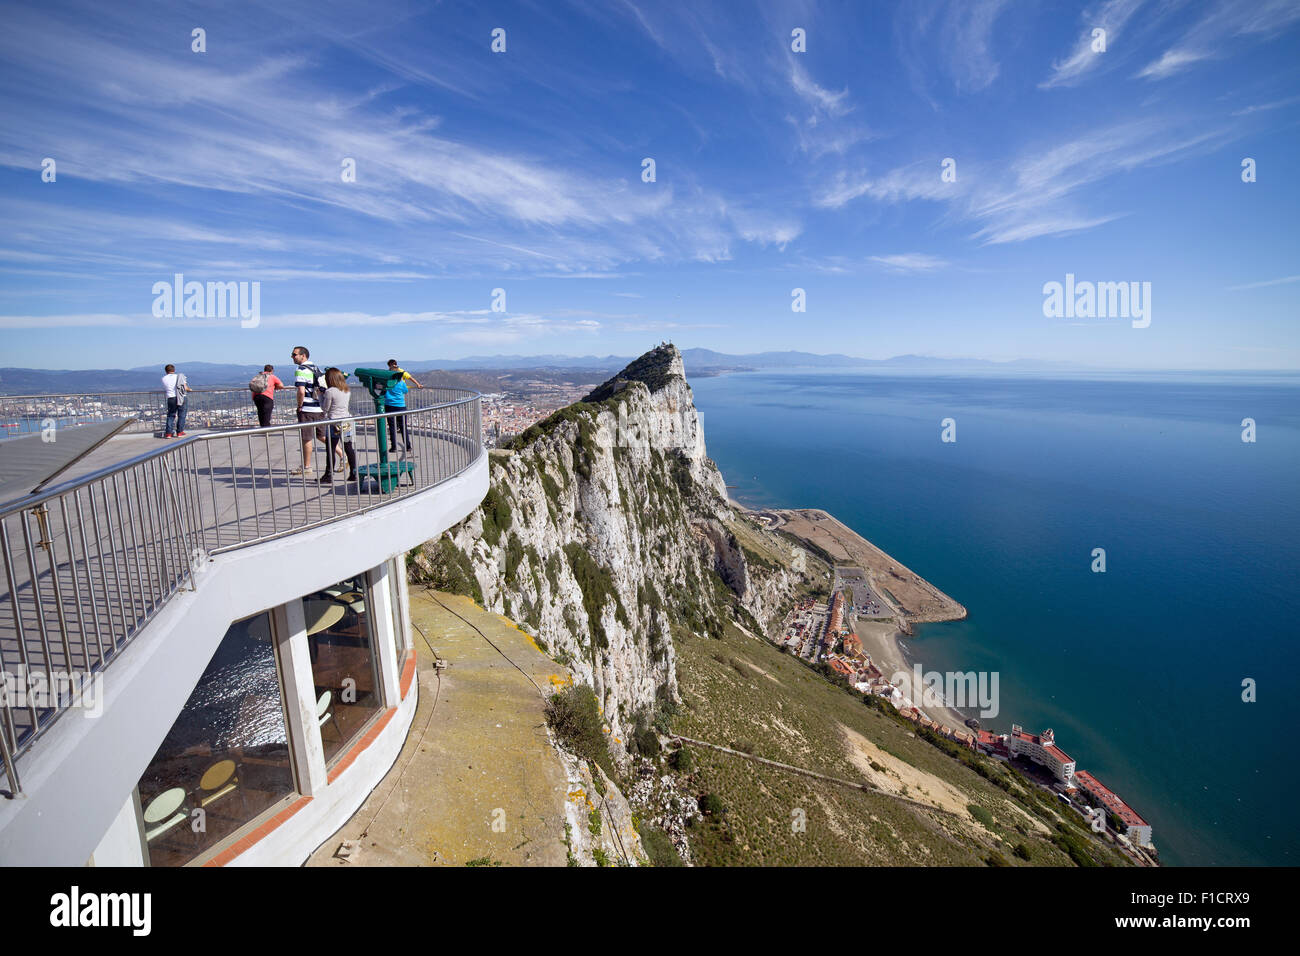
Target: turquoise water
x: 1139, y: 670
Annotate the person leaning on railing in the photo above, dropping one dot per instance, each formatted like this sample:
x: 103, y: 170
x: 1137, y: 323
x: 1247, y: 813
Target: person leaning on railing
x: 334, y: 402
x: 175, y: 385
x: 395, y: 400
x: 264, y: 386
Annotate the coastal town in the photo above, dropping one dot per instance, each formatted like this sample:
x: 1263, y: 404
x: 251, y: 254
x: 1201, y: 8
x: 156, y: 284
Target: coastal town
x: 825, y: 635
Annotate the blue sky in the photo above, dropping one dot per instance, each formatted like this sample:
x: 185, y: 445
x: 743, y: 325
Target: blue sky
x: 775, y: 170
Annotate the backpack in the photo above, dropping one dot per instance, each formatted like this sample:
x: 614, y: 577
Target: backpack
x: 318, y: 374
x: 318, y: 379
x: 258, y: 385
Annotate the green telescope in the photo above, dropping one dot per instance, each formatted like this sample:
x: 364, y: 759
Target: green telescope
x: 388, y: 473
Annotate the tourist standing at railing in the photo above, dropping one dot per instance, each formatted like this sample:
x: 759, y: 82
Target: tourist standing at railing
x: 335, y: 400
x: 264, y: 386
x: 395, y: 400
x: 175, y: 385
x: 309, y: 381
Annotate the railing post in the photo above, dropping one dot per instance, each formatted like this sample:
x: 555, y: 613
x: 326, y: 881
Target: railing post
x: 11, y: 767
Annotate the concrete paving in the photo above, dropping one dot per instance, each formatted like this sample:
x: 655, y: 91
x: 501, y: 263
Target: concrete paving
x: 478, y: 779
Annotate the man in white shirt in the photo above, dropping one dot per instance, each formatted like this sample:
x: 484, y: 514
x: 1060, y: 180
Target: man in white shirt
x: 175, y: 385
x: 307, y: 379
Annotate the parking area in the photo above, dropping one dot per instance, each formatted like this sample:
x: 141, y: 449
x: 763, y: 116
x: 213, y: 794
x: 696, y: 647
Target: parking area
x: 865, y: 603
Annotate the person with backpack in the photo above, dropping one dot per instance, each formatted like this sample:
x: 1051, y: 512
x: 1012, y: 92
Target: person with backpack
x: 175, y: 385
x: 263, y: 386
x: 309, y: 380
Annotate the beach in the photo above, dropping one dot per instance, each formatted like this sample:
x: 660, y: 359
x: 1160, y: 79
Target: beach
x: 911, y: 598
x: 885, y: 645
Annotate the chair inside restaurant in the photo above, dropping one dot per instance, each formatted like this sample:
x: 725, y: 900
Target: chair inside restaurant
x: 340, y: 639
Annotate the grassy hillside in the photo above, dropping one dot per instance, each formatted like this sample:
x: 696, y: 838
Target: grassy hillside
x: 745, y: 694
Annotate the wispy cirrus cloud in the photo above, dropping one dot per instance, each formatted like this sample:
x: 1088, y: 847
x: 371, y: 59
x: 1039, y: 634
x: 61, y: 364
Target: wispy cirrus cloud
x: 270, y: 132
x: 1112, y: 16
x: 966, y: 41
x: 1031, y: 195
x: 818, y: 98
x: 500, y: 324
x: 1285, y: 280
x: 1265, y: 107
x: 902, y: 184
x: 954, y: 38
x: 910, y: 262
x: 1212, y: 36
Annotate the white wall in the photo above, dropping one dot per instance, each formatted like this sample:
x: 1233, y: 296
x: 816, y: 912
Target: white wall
x: 78, y: 776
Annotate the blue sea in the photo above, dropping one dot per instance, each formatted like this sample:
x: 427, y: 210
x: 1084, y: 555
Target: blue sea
x: 1139, y: 669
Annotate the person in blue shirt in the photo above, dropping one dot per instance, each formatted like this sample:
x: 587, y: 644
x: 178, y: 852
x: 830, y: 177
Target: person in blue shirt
x: 395, y: 401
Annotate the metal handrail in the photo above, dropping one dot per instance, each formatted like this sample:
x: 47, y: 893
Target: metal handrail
x: 211, y: 407
x: 238, y: 389
x: 89, y: 562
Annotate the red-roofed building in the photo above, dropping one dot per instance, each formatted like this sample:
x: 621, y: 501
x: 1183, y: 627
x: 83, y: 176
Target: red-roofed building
x: 1042, y: 750
x: 991, y: 743
x: 1135, y: 828
x: 836, y: 620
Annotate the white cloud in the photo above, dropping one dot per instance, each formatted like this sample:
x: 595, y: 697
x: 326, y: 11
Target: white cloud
x: 1210, y: 36
x: 1111, y: 16
x: 1171, y: 62
x: 1285, y: 280
x: 490, y: 323
x: 819, y: 98
x: 273, y: 132
x: 910, y: 262
x: 1263, y: 107
x: 898, y: 185
x: 966, y: 40
x: 1032, y: 194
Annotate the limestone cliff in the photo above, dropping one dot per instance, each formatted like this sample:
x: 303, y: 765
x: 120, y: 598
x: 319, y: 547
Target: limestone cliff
x: 607, y: 534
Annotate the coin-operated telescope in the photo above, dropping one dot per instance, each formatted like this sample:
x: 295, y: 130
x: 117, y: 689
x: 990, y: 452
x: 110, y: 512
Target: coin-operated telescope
x: 387, y: 473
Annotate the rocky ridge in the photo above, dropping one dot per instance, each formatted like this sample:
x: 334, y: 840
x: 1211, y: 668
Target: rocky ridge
x: 607, y: 535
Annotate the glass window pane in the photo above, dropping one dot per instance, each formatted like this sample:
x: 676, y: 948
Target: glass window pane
x: 226, y: 759
x: 340, y: 640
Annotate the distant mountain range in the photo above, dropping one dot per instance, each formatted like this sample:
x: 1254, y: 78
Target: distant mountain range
x: 696, y: 359
x: 30, y: 381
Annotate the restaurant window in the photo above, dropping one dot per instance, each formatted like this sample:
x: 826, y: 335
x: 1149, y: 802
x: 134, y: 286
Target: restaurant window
x: 341, y: 644
x: 225, y: 760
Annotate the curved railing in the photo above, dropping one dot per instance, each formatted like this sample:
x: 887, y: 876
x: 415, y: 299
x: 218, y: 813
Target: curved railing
x: 89, y: 562
x: 209, y: 408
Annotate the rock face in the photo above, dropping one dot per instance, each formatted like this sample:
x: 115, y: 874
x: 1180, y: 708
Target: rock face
x: 607, y: 533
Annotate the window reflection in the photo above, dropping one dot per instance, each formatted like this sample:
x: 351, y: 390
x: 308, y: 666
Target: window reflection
x: 226, y: 758
x: 342, y: 662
